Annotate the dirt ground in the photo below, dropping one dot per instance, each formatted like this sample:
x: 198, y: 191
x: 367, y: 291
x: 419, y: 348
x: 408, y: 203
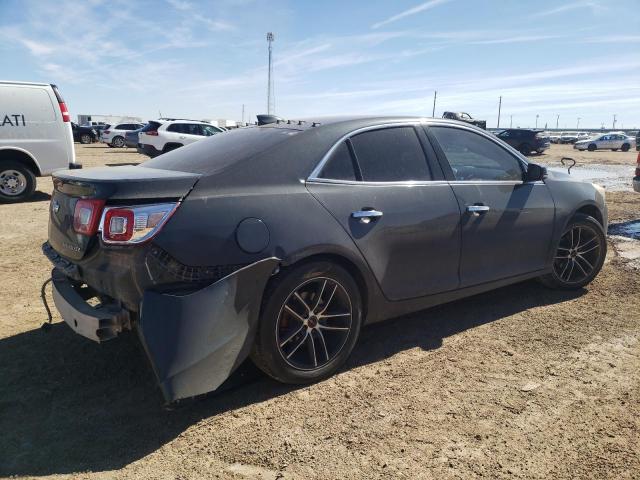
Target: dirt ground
x: 521, y: 382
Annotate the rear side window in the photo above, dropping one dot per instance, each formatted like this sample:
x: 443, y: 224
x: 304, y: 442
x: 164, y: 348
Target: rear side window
x: 390, y: 155
x: 122, y: 126
x: 474, y: 157
x: 151, y: 126
x: 176, y: 127
x: 340, y: 165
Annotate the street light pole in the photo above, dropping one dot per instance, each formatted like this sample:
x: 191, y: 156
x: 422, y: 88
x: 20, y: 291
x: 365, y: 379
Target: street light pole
x: 499, y: 109
x: 510, y: 121
x: 537, y: 120
x: 557, y: 120
x: 433, y: 113
x: 578, y: 124
x: 614, y: 121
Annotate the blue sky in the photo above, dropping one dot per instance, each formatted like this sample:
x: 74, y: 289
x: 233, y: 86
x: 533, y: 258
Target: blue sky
x: 204, y: 59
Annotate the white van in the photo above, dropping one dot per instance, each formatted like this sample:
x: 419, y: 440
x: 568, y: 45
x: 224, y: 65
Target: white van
x: 35, y: 137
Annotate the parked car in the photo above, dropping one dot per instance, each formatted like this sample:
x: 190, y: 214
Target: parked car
x: 583, y: 136
x: 525, y: 140
x: 162, y: 136
x: 607, y: 141
x: 36, y: 138
x: 131, y: 138
x: 113, y: 135
x: 568, y: 137
x: 465, y: 117
x: 279, y: 242
x: 84, y: 135
x: 554, y: 138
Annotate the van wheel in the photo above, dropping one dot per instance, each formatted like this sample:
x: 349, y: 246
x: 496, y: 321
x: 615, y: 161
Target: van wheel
x: 309, y: 324
x: 118, y: 142
x: 17, y: 182
x: 625, y: 147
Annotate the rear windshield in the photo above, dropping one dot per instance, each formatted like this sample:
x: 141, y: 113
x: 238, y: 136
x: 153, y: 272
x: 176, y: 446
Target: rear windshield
x: 219, y: 151
x: 151, y: 126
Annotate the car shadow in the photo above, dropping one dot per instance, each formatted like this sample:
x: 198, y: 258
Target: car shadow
x: 38, y: 196
x: 69, y: 405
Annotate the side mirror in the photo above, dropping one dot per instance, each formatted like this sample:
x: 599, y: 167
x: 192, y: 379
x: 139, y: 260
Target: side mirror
x: 535, y: 173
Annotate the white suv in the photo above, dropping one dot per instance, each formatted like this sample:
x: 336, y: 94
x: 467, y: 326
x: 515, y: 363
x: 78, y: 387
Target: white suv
x: 35, y: 137
x: 163, y: 135
x: 114, y: 135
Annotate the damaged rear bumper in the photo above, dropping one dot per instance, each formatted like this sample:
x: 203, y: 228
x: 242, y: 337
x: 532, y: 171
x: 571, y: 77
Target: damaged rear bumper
x: 194, y: 340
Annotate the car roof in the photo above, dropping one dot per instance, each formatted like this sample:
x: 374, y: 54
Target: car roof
x: 11, y: 82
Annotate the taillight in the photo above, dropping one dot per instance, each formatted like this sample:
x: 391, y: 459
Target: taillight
x: 86, y: 216
x: 63, y: 106
x: 153, y: 133
x: 106, y: 132
x: 133, y: 224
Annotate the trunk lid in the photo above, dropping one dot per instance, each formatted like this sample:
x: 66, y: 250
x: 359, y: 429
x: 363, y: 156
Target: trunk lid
x: 117, y: 186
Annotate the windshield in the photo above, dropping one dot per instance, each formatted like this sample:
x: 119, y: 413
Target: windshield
x: 219, y: 151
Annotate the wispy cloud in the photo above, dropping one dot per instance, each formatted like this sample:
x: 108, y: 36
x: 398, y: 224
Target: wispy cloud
x: 407, y: 13
x: 593, y: 5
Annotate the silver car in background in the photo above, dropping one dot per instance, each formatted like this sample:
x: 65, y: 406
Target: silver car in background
x: 608, y: 141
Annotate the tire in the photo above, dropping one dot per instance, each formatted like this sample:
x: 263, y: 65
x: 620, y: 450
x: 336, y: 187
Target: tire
x: 592, y: 147
x: 625, y: 147
x: 17, y: 182
x: 117, y: 142
x: 170, y: 146
x: 85, y: 138
x: 525, y: 149
x: 282, y: 349
x: 614, y: 149
x: 579, y: 255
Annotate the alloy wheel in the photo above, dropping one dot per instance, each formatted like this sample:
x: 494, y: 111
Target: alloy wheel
x: 314, y: 323
x: 12, y: 183
x: 578, y: 254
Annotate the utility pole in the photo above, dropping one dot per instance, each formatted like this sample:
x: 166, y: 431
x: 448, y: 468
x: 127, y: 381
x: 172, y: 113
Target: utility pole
x: 433, y: 113
x: 510, y: 121
x: 614, y: 121
x: 557, y: 120
x: 537, y: 115
x: 270, y: 100
x: 578, y: 124
x: 242, y: 114
x: 499, y: 109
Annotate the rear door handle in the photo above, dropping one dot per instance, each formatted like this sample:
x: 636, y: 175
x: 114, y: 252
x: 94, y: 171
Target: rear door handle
x: 365, y: 216
x: 477, y: 210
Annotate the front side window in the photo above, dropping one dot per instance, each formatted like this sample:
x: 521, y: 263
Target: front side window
x: 390, y: 155
x: 474, y: 157
x: 340, y: 165
x: 208, y: 130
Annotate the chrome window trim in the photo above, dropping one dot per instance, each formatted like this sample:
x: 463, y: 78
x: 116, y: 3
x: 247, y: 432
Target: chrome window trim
x: 316, y: 171
x: 411, y: 183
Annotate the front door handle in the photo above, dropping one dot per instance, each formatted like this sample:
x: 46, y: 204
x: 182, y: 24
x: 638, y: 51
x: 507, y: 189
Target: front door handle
x: 365, y: 216
x: 477, y: 210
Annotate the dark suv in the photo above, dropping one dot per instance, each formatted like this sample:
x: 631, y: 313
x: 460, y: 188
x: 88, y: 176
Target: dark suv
x: 525, y: 140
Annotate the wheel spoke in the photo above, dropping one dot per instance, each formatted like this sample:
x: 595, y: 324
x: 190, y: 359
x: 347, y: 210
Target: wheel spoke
x: 587, y: 243
x: 579, y: 235
x: 297, y: 295
x: 585, y: 261
x: 313, y: 348
x: 335, y: 315
x: 573, y: 264
x: 580, y: 267
x: 324, y: 284
x: 562, y: 257
x: 293, y: 312
x: 324, y: 344
x: 291, y: 337
x: 299, y: 344
x: 324, y: 309
x: 564, y: 269
x: 325, y: 327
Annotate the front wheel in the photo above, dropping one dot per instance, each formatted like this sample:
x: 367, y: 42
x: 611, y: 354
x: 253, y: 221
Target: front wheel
x: 625, y: 147
x: 118, y: 142
x: 309, y: 324
x: 17, y: 182
x: 579, y: 255
x: 591, y: 148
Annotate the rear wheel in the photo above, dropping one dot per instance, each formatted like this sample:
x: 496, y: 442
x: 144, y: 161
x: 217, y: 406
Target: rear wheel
x: 579, y: 255
x: 170, y: 146
x: 17, y: 182
x: 118, y: 142
x: 591, y: 147
x: 625, y: 147
x: 614, y: 149
x: 525, y: 149
x: 85, y: 138
x: 309, y: 324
